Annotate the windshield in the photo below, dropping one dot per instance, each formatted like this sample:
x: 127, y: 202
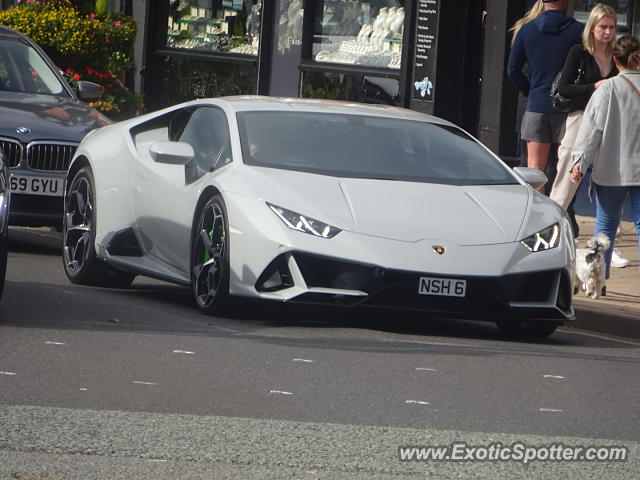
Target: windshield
x: 345, y: 145
x: 23, y: 70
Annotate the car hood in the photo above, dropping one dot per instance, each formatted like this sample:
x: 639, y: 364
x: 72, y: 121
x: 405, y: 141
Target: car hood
x: 47, y: 117
x: 405, y: 211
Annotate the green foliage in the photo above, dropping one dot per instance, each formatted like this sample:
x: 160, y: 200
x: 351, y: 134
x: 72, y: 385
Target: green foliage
x: 102, y: 7
x: 117, y: 102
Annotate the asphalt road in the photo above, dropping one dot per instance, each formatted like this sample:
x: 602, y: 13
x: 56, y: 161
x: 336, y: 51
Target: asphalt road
x: 106, y: 384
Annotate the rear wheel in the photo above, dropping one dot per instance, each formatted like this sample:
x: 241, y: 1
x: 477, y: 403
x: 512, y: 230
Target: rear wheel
x: 527, y: 329
x: 81, y: 264
x: 210, y: 257
x: 4, y: 245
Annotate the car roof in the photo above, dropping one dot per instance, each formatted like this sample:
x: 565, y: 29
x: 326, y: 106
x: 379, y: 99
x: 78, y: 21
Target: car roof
x: 254, y: 103
x: 11, y: 32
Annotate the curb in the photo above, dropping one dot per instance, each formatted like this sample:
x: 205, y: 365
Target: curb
x: 622, y: 324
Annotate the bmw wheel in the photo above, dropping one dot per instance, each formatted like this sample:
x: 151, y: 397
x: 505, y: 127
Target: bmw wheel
x: 210, y: 257
x: 3, y: 258
x: 81, y: 264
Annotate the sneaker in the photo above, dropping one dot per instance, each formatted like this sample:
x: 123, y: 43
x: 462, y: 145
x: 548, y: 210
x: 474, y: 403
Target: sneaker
x: 617, y: 260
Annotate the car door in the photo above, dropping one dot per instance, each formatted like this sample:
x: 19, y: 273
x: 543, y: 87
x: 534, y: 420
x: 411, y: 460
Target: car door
x: 164, y: 199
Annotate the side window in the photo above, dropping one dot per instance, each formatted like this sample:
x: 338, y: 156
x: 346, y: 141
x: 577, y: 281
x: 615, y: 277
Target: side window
x: 207, y: 132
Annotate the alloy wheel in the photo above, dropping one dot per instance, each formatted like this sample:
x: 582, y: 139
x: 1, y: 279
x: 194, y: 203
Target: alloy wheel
x: 208, y: 254
x: 78, y: 225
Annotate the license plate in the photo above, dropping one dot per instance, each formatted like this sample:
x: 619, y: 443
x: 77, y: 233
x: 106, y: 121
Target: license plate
x: 447, y: 287
x: 52, y: 187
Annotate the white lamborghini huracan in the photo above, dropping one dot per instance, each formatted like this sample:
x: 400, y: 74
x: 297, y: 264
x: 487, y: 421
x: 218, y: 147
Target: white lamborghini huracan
x: 319, y: 202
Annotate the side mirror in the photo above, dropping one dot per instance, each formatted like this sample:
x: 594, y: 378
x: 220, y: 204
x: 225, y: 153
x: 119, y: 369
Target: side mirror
x: 88, y: 91
x: 171, y: 153
x: 532, y: 176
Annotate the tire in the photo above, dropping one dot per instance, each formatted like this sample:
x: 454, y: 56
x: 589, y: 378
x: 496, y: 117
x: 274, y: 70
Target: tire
x: 4, y: 245
x: 210, y: 257
x: 527, y: 330
x: 81, y: 264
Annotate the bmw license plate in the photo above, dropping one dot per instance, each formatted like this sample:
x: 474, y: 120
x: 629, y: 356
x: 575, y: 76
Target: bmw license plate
x: 447, y: 287
x: 52, y: 187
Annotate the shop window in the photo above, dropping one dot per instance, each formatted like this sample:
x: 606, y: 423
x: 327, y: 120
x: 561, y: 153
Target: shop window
x: 181, y: 78
x: 231, y: 26
x: 581, y: 9
x: 353, y: 88
x: 359, y: 32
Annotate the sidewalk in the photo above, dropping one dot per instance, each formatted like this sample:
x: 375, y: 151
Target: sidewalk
x: 619, y: 312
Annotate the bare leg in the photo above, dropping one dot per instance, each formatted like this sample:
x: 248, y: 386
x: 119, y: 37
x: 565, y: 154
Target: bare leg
x: 538, y: 156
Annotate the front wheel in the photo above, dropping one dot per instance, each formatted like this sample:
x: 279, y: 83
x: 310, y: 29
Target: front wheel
x: 528, y: 329
x: 210, y: 257
x: 81, y: 264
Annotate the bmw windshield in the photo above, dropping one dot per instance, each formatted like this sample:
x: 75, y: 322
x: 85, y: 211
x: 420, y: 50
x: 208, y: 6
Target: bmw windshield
x: 359, y: 146
x: 23, y: 70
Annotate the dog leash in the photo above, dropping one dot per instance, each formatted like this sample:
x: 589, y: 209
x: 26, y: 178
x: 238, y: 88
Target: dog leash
x: 631, y: 83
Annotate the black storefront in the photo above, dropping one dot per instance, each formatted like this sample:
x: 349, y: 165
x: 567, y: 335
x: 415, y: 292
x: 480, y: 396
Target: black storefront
x: 445, y: 57
x: 382, y: 51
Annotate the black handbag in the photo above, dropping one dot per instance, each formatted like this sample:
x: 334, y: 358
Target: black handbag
x: 566, y: 104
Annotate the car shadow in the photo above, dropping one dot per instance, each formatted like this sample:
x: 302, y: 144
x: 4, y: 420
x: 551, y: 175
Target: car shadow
x: 42, y: 241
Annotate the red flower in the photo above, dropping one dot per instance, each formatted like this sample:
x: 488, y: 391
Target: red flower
x: 109, y: 85
x: 92, y: 16
x: 89, y: 70
x: 68, y: 70
x: 76, y: 76
x: 118, y: 23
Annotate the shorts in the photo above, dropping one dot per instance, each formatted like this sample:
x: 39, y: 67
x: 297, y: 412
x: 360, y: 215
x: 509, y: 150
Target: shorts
x: 543, y: 127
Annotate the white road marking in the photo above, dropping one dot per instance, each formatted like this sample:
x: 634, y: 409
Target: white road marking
x: 143, y: 383
x: 551, y: 410
x: 417, y: 402
x: 83, y: 389
x: 553, y: 376
x: 186, y: 352
x: 8, y: 373
x: 303, y: 360
x: 280, y: 392
x: 424, y: 369
x: 54, y: 343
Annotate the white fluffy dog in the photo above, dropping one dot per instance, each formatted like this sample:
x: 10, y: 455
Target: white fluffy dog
x: 590, y: 266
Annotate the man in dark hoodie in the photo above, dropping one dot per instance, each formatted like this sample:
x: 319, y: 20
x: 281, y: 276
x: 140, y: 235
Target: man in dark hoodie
x: 543, y: 44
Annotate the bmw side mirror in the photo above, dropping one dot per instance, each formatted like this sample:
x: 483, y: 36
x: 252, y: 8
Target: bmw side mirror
x: 88, y: 91
x: 532, y: 176
x: 171, y: 153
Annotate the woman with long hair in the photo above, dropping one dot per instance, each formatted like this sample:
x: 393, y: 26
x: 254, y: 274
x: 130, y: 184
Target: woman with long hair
x: 534, y: 12
x: 586, y: 68
x: 609, y: 139
x: 542, y: 44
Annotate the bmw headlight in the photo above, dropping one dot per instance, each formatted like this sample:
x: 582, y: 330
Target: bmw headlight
x: 302, y: 223
x: 545, y: 239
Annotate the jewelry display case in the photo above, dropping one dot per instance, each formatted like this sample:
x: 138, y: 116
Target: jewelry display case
x: 215, y: 25
x: 359, y: 32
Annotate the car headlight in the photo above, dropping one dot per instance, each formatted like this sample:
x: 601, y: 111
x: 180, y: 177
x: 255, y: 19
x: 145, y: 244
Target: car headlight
x: 302, y: 223
x: 545, y: 239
